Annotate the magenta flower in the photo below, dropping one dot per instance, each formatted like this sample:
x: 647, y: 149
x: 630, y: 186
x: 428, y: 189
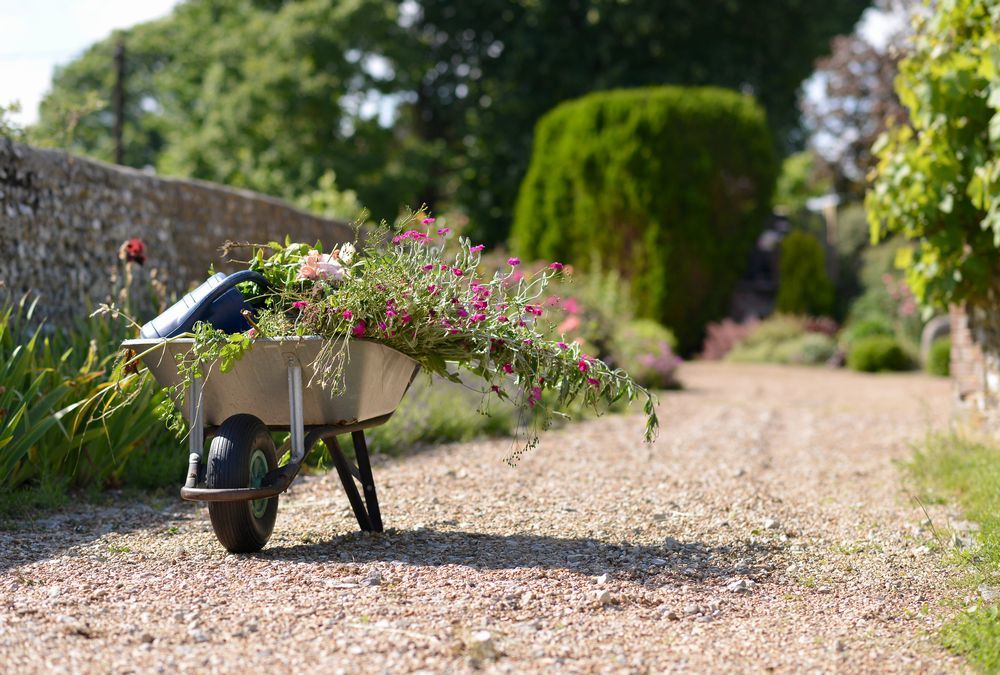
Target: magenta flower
x: 508, y: 368
x: 359, y: 329
x: 593, y: 381
x: 252, y: 333
x: 457, y: 272
x: 382, y: 327
x: 443, y: 266
x: 513, y: 262
x: 427, y: 221
x: 535, y: 396
x: 583, y: 365
x: 462, y: 313
x: 503, y: 318
x: 299, y: 304
x: 347, y: 314
x: 476, y: 318
x: 477, y: 248
x: 495, y: 388
x: 427, y: 268
x: 432, y: 289
x: 443, y: 231
x: 562, y: 345
x: 557, y: 266
x: 529, y: 342
x: 406, y: 318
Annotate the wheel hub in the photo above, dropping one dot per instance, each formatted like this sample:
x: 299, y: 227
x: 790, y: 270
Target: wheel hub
x: 258, y: 469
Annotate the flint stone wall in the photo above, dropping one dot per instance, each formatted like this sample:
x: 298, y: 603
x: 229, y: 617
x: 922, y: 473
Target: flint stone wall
x: 63, y: 219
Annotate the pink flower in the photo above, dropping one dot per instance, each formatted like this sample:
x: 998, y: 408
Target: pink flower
x: 529, y: 342
x: 252, y: 333
x: 316, y: 266
x: 299, y: 304
x: 347, y: 314
x: 583, y: 365
x: 444, y: 267
x: 406, y: 318
x: 503, y: 318
x: 462, y: 313
x: 535, y: 396
x: 557, y: 266
x: 593, y: 381
x: 427, y: 268
x: 359, y: 329
x: 569, y: 325
x: 475, y: 318
x: 443, y: 231
x: 381, y: 326
x: 427, y: 221
x: 457, y: 272
x: 432, y: 289
x: 508, y: 368
x: 477, y: 248
x: 533, y: 309
x: 495, y: 388
x: 562, y: 345
x: 513, y: 262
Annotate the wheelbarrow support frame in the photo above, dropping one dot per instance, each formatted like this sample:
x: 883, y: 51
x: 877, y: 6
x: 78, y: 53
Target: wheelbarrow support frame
x: 366, y: 509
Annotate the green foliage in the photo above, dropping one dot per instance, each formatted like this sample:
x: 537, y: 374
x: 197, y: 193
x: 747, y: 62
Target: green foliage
x: 645, y: 349
x: 877, y: 353
x: 438, y: 411
x: 939, y: 358
x: 805, y: 288
x: 798, y: 182
x: 670, y: 186
x: 968, y: 472
x: 272, y: 95
x: 869, y: 327
x: 783, y: 339
x: 328, y: 201
x: 938, y: 177
x: 63, y: 418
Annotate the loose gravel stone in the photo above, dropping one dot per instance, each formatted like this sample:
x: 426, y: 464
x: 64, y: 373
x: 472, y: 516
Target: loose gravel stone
x: 477, y: 549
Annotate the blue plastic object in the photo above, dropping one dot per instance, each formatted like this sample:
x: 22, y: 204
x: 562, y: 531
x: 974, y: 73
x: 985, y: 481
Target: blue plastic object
x: 217, y: 301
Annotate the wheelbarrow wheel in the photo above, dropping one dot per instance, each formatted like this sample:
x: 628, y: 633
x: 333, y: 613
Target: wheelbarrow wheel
x: 241, y: 454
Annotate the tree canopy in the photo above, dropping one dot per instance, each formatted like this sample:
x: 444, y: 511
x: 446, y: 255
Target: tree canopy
x: 427, y: 100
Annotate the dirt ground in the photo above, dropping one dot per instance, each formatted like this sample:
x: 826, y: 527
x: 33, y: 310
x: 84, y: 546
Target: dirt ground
x: 767, y: 530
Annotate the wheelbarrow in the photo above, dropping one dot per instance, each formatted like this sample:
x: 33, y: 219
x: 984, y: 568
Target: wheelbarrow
x: 265, y: 392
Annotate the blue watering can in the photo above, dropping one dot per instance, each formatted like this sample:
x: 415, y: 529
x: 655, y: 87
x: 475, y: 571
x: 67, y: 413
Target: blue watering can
x: 217, y: 301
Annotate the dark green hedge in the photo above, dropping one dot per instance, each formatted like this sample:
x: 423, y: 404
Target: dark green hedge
x: 804, y: 286
x: 670, y: 185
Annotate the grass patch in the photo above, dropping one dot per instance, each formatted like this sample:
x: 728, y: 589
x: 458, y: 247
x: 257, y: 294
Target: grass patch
x: 967, y: 472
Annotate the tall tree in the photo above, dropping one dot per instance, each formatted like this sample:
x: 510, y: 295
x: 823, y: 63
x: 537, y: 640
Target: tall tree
x: 853, y: 98
x: 495, y: 66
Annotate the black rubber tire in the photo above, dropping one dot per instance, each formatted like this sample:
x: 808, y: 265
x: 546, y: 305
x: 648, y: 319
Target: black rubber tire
x: 235, y: 523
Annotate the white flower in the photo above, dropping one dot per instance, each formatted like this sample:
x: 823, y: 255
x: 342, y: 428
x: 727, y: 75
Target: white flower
x: 346, y: 253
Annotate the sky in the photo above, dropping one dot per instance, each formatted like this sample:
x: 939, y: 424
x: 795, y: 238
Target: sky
x: 38, y: 35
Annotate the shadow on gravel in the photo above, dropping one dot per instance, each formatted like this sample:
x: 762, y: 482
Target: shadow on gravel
x: 29, y: 540
x: 690, y: 560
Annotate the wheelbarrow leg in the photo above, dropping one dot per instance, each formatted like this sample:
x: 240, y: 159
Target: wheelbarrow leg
x: 367, y: 481
x: 347, y: 478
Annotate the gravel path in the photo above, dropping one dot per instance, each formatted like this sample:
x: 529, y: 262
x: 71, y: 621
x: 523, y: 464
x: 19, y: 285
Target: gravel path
x: 766, y: 530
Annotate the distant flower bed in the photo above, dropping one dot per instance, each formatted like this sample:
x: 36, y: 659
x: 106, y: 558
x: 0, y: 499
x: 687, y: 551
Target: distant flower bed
x: 411, y: 289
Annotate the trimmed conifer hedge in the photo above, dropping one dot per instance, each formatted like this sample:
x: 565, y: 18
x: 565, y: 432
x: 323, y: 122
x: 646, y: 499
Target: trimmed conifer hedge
x: 670, y: 185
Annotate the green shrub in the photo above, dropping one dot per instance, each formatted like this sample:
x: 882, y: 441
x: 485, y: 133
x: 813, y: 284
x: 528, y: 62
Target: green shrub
x: 811, y: 349
x: 804, y: 286
x: 866, y: 328
x: 877, y: 353
x: 784, y: 339
x: 670, y: 185
x: 646, y: 350
x: 939, y: 358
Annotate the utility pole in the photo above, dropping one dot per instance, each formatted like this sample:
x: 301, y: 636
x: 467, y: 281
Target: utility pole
x: 118, y: 102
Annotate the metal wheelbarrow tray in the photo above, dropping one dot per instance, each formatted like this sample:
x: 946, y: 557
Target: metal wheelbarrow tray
x: 267, y: 391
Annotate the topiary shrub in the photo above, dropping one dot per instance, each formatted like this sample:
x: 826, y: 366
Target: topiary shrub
x: 804, y: 286
x: 645, y: 349
x: 877, y: 353
x: 669, y: 185
x: 939, y: 357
